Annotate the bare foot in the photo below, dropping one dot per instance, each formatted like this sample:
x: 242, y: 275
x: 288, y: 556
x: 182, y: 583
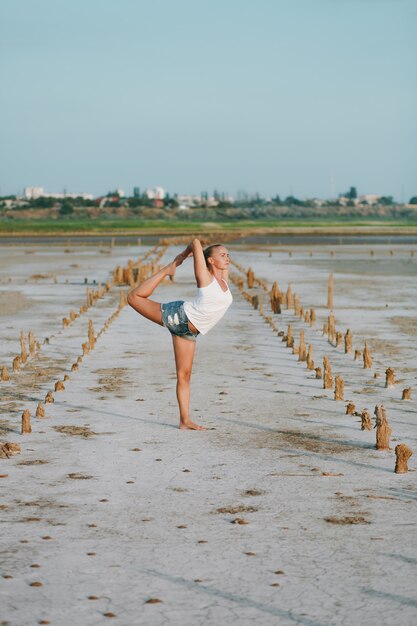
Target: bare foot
x: 189, y: 425
x: 171, y: 268
x: 180, y: 258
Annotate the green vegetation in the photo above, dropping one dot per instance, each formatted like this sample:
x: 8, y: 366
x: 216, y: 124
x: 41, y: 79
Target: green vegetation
x: 137, y: 226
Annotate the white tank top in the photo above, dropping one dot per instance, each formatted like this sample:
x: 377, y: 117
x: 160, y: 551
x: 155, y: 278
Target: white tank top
x: 209, y: 306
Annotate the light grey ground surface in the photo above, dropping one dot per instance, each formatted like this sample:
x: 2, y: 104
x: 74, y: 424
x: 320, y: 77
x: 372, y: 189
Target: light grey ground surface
x: 139, y: 518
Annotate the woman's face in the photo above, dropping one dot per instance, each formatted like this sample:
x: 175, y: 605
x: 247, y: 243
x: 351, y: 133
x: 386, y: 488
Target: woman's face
x: 220, y: 258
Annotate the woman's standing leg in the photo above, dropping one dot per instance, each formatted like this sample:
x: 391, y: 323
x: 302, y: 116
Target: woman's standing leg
x: 184, y: 350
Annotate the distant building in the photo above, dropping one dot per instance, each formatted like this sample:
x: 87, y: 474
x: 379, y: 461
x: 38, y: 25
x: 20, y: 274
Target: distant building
x: 33, y: 193
x: 155, y: 194
x: 136, y: 192
x: 370, y: 198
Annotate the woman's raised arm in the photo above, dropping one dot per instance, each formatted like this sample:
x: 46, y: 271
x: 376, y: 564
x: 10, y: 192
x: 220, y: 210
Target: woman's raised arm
x: 201, y: 272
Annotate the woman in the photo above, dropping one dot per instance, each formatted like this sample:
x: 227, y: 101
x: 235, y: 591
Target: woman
x: 185, y: 320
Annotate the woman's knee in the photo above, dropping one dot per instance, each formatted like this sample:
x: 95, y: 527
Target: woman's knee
x: 184, y: 375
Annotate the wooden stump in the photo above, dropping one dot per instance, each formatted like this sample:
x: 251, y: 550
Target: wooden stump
x: 332, y: 327
x: 85, y: 348
x: 402, y: 453
x: 89, y: 297
x: 74, y: 367
x: 325, y: 328
x: 339, y: 388
x: 290, y: 338
x: 310, y: 357
x: 330, y: 292
x: 250, y: 278
x: 255, y: 301
x: 406, y: 394
x: 24, y: 354
x: 339, y: 339
x: 350, y: 408
x: 275, y: 298
x: 389, y: 378
x: 358, y: 355
x: 65, y: 322
x: 312, y: 317
x: 302, y: 350
x: 319, y: 373
x: 8, y: 449
x: 32, y: 346
x: 40, y: 410
x: 383, y: 430
x: 49, y: 398
x: 366, y: 423
x: 26, y: 427
x: 348, y: 341
x: 91, y: 337
x: 59, y: 386
x: 16, y: 364
x: 367, y: 359
x: 289, y: 297
x: 327, y: 374
x: 296, y: 301
x: 4, y: 374
x: 307, y: 317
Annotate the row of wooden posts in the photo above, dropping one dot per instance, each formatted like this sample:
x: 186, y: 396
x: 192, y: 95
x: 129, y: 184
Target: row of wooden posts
x: 8, y: 449
x: 121, y: 276
x: 277, y: 299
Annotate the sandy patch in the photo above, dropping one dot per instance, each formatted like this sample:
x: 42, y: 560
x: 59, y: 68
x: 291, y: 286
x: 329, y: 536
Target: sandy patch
x: 407, y: 325
x: 75, y: 431
x: 12, y: 302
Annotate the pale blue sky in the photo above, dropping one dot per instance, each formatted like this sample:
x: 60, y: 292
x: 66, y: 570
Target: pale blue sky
x: 273, y: 96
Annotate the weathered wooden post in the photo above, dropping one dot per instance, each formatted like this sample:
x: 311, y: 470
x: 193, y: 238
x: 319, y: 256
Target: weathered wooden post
x: 289, y: 297
x: 383, y: 430
x: 350, y: 408
x: 389, y: 378
x: 250, y: 278
x: 4, y: 374
x: 330, y: 292
x: 302, y: 350
x: 91, y: 337
x: 40, y: 410
x: 366, y: 423
x: 24, y: 354
x: 296, y: 301
x: 332, y: 327
x: 290, y: 337
x: 348, y: 341
x: 275, y: 298
x: 16, y: 364
x: 402, y: 453
x: 406, y: 394
x: 367, y: 358
x: 339, y: 388
x: 312, y: 317
x: 310, y: 357
x: 32, y: 346
x: 327, y: 374
x: 26, y: 427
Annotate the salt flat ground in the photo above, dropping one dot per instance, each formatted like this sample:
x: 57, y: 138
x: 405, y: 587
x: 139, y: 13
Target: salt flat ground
x: 115, y: 506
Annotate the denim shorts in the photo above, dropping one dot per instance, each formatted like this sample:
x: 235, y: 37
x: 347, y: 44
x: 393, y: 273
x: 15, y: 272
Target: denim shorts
x: 176, y: 320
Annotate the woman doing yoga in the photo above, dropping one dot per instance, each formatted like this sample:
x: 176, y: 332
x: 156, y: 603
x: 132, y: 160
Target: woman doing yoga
x: 186, y: 320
